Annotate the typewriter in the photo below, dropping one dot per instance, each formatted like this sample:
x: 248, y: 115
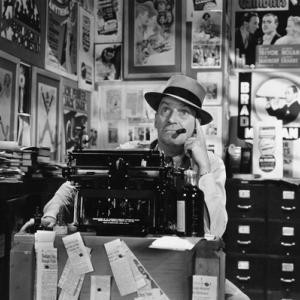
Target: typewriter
x: 130, y: 192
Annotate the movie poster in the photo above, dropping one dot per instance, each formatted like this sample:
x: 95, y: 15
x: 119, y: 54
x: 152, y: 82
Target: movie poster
x: 267, y: 34
x: 75, y: 105
x: 61, y: 46
x: 108, y: 62
x: 265, y: 96
x: 154, y: 35
x: 47, y: 120
x: 86, y: 51
x: 108, y: 21
x: 6, y: 92
x: 201, y: 5
x: 206, y: 39
x: 22, y: 29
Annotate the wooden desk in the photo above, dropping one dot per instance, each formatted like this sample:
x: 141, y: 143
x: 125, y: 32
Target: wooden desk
x: 172, y: 270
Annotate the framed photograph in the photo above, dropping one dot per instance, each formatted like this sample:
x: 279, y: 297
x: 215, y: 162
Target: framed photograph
x: 8, y: 91
x: 153, y: 39
x: 45, y: 112
x: 108, y: 62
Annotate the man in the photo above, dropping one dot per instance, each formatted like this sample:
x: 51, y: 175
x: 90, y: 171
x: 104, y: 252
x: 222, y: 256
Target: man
x: 245, y: 39
x: 288, y: 112
x: 269, y: 28
x: 178, y: 107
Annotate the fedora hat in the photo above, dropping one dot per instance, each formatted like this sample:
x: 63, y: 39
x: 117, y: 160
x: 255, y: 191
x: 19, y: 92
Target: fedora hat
x: 185, y: 89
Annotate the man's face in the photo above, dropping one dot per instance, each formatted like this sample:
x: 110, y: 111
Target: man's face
x: 144, y: 17
x: 290, y: 95
x: 172, y: 115
x: 253, y: 24
x: 268, y: 24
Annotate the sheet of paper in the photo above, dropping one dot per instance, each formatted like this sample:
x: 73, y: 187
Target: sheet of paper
x: 44, y: 239
x: 100, y: 287
x: 120, y: 267
x: 79, y: 257
x: 172, y: 243
x: 150, y: 282
x: 65, y: 296
x: 46, y: 274
x: 71, y: 282
x: 205, y: 287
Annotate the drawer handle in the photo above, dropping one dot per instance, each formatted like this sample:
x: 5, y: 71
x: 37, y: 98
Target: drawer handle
x: 286, y: 208
x: 244, y: 206
x: 287, y: 280
x: 243, y: 278
x: 288, y: 244
x: 244, y: 242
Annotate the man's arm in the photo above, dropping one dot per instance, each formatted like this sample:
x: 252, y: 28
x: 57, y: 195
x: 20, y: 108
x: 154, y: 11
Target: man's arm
x: 213, y: 186
x: 63, y: 197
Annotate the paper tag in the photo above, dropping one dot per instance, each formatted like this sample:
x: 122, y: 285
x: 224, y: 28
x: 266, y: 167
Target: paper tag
x: 244, y: 193
x: 244, y: 229
x: 2, y: 245
x: 120, y: 267
x: 287, y: 267
x: 100, y: 287
x: 46, y: 274
x: 205, y: 287
x: 79, y: 258
x: 243, y: 265
x: 288, y: 195
x: 288, y: 231
x: 44, y: 239
x: 71, y: 282
x: 151, y: 284
x: 65, y: 296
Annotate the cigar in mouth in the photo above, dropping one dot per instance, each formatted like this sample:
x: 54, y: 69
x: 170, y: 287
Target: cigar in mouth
x: 180, y: 131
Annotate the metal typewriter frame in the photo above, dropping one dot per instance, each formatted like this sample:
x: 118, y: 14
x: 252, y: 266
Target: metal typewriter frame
x: 131, y: 174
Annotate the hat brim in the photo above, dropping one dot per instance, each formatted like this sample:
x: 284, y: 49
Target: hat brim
x: 154, y: 98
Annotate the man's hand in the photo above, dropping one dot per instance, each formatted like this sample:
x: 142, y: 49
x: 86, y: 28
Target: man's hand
x: 195, y: 147
x: 48, y: 221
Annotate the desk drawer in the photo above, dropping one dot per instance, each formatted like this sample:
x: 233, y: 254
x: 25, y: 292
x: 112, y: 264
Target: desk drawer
x: 283, y: 238
x: 246, y: 236
x: 283, y: 277
x: 246, y: 200
x: 283, y: 203
x: 248, y: 272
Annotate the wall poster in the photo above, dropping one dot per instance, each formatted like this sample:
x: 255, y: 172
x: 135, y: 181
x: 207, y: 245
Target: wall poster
x: 108, y: 21
x: 22, y: 29
x: 266, y: 34
x: 76, y: 105
x: 61, y: 42
x: 85, y: 64
x: 46, y: 111
x: 108, y: 62
x: 8, y: 71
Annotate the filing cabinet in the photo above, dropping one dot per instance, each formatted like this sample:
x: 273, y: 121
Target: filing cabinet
x: 262, y: 238
x: 246, y: 236
x: 283, y: 278
x: 248, y: 272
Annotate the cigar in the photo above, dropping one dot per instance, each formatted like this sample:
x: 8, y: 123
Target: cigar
x: 181, y: 130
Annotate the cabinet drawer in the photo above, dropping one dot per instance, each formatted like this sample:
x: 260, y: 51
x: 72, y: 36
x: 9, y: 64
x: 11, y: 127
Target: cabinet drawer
x: 246, y: 200
x: 246, y: 236
x: 248, y: 272
x: 282, y: 203
x: 283, y: 276
x: 283, y: 238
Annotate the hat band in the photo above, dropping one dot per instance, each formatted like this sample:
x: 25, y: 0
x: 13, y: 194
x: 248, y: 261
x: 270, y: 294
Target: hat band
x: 183, y: 93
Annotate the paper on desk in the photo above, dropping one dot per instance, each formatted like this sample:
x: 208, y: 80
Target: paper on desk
x: 151, y: 287
x: 172, y: 243
x: 205, y: 287
x: 71, y: 282
x: 65, y: 296
x: 120, y: 267
x: 100, y: 287
x: 46, y: 273
x: 79, y: 257
x: 44, y: 239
